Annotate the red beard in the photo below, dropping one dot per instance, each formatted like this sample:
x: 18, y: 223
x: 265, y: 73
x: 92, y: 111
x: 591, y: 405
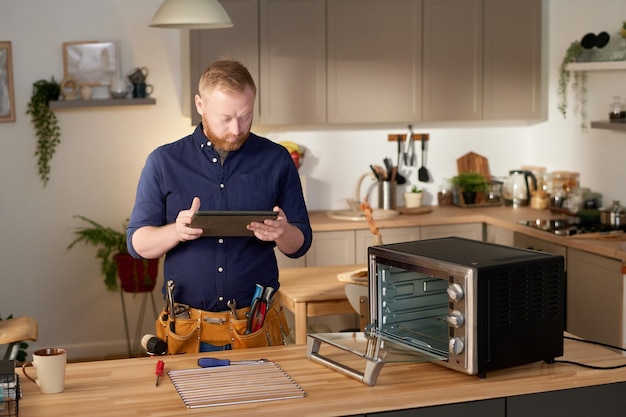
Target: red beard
x: 224, y: 143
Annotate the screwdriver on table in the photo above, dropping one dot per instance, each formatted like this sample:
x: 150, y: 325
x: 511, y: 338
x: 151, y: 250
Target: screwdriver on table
x: 159, y: 371
x: 213, y: 362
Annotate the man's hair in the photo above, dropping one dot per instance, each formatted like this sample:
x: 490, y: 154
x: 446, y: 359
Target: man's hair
x: 227, y: 75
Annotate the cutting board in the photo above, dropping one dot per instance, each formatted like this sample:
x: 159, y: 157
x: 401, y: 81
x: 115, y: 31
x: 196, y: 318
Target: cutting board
x: 415, y: 210
x: 473, y: 162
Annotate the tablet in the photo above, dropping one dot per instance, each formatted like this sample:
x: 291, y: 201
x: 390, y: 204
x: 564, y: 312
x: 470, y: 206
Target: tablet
x: 229, y: 223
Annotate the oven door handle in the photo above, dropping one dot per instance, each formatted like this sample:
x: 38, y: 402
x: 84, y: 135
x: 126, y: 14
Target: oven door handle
x: 368, y: 377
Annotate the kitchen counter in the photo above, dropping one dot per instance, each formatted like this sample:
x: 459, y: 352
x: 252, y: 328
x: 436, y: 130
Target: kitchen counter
x: 501, y: 216
x: 126, y: 387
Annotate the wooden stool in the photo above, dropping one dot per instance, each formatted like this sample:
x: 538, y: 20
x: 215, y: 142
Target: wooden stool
x: 16, y: 330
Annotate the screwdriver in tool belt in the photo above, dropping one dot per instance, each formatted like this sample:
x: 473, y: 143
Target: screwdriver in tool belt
x: 159, y: 371
x: 213, y: 362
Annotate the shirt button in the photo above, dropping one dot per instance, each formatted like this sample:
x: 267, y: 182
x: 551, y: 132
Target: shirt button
x: 220, y: 269
x: 208, y: 142
x: 221, y: 185
x: 214, y: 159
x: 220, y: 298
x: 220, y: 240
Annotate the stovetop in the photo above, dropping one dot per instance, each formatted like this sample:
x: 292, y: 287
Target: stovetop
x: 567, y: 226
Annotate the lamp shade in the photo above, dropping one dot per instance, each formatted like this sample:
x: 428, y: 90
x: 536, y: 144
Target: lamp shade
x: 191, y: 14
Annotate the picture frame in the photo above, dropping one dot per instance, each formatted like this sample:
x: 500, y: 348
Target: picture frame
x: 7, y: 98
x: 90, y: 63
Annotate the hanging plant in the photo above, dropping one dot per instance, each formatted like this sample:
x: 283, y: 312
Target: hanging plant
x: 574, y: 50
x: 46, y: 124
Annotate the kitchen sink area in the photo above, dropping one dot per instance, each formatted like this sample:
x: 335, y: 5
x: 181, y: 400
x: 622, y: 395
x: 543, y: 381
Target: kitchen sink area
x: 357, y: 215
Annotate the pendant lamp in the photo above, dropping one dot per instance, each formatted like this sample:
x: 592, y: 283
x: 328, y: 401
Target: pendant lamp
x: 191, y: 14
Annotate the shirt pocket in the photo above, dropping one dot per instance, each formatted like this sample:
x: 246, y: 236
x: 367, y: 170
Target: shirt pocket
x: 252, y: 192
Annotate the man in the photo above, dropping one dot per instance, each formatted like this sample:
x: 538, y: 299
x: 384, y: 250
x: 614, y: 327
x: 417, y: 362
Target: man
x: 221, y: 166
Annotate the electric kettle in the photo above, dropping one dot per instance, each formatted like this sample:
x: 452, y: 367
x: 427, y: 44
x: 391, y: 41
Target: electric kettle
x: 516, y: 188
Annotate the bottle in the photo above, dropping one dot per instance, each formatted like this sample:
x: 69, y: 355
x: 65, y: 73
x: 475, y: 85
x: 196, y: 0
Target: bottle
x: 617, y: 113
x: 444, y: 195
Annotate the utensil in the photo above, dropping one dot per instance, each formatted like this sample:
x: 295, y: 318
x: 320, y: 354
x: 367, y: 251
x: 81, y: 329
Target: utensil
x: 516, y: 187
x: 400, y: 179
x: 409, y: 149
x: 422, y: 174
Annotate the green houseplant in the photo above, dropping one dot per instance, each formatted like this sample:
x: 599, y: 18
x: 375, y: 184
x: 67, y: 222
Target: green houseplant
x: 46, y: 124
x: 136, y: 275
x: 579, y: 86
x: 470, y: 184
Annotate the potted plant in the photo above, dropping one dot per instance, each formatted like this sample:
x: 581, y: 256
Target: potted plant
x: 580, y: 82
x: 470, y: 184
x: 413, y: 197
x: 136, y: 275
x: 46, y: 124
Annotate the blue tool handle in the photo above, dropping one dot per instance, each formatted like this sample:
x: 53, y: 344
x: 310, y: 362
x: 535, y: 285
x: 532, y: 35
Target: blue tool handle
x: 212, y: 362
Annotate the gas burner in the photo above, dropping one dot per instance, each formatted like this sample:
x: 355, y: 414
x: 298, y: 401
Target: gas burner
x: 568, y: 226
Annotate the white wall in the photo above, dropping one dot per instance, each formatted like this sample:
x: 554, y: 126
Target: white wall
x: 96, y: 167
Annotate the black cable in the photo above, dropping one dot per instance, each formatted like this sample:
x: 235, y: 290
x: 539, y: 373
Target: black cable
x: 593, y: 342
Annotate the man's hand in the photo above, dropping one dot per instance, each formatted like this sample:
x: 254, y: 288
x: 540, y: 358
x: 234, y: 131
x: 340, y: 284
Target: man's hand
x: 183, y: 231
x: 288, y: 238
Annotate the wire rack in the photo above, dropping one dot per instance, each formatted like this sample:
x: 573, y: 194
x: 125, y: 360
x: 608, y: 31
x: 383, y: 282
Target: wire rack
x: 9, y: 394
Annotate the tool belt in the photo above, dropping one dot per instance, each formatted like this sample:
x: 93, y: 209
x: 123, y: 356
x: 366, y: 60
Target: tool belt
x: 184, y: 333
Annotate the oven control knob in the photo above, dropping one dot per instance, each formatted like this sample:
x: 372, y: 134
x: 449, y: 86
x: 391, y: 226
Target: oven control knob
x: 456, y: 345
x: 455, y: 292
x: 456, y: 319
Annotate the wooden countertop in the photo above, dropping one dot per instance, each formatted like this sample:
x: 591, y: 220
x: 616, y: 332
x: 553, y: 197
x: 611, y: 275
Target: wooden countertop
x: 501, y: 216
x: 127, y: 386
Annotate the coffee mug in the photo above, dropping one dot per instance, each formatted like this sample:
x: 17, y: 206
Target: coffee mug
x: 50, y: 365
x: 142, y: 90
x: 138, y: 75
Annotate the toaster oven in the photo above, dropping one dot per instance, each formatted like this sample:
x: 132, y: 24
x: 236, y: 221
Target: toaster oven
x: 470, y: 306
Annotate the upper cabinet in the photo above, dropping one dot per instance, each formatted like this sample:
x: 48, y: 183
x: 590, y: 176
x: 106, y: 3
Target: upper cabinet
x: 512, y: 59
x: 482, y: 59
x: 239, y: 42
x: 453, y: 65
x: 382, y: 61
x: 374, y: 61
x: 293, y: 62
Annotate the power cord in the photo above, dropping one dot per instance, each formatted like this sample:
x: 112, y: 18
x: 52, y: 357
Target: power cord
x: 593, y: 342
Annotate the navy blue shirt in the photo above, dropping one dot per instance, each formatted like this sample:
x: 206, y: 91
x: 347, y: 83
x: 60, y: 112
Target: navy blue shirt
x: 209, y: 271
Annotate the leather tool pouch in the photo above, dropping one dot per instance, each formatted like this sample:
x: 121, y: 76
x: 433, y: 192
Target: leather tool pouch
x: 183, y: 335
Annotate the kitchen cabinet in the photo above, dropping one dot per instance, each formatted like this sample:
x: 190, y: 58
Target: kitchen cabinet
x: 239, y: 42
x: 332, y: 248
x: 374, y: 61
x: 498, y: 235
x: 469, y: 231
x: 293, y: 62
x: 512, y: 59
x: 528, y: 242
x: 482, y: 60
x: 595, y: 297
x: 397, y: 61
x: 452, y: 71
x: 364, y: 239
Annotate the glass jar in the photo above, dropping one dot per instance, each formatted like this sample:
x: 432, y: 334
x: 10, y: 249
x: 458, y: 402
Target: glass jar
x: 617, y: 113
x: 445, y: 193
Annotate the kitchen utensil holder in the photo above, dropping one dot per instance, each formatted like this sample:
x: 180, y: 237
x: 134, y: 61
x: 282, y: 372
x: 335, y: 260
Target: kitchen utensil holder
x: 387, y: 195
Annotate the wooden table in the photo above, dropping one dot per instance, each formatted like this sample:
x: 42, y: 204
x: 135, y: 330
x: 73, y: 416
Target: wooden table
x: 126, y: 387
x: 314, y: 291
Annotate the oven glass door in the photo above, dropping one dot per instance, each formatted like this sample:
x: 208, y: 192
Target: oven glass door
x: 412, y: 308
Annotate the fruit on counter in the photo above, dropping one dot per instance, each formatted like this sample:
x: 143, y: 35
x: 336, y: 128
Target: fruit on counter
x: 296, y: 152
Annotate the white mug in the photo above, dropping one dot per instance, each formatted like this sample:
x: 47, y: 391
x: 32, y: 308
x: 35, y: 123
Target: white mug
x: 50, y: 365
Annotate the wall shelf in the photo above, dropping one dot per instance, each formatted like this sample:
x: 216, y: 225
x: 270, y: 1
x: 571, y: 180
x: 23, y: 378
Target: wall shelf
x: 597, y: 66
x: 605, y: 124
x: 109, y: 102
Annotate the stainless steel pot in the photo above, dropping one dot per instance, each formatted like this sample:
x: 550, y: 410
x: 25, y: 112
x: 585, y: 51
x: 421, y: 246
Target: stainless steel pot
x: 614, y: 216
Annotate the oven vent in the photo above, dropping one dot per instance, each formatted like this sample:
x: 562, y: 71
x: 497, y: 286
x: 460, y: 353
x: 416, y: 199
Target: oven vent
x: 527, y: 294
